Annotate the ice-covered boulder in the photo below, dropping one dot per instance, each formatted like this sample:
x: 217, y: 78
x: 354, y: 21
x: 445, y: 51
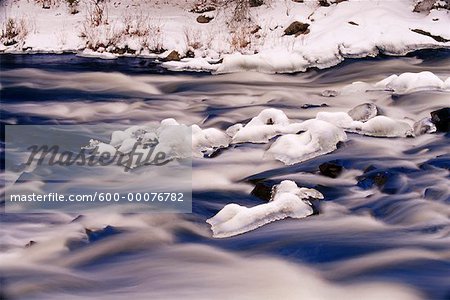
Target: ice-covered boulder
x: 411, y: 82
x: 363, y: 112
x: 269, y: 123
x: 208, y: 139
x: 317, y: 137
x: 382, y: 126
x: 288, y: 200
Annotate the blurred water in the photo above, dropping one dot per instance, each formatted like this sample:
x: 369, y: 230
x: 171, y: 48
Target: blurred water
x: 387, y: 242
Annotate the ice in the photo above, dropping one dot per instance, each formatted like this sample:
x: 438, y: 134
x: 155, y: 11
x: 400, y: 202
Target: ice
x: 411, y: 82
x: 208, y: 139
x: 447, y: 83
x: 339, y: 119
x: 319, y: 138
x: 382, y: 126
x: 424, y: 126
x: 288, y: 200
x: 269, y: 123
x: 118, y: 136
x: 363, y: 112
x: 379, y: 126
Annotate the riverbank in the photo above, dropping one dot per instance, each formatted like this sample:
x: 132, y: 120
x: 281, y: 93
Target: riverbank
x: 274, y: 37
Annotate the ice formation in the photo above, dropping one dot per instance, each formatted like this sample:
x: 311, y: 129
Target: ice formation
x: 319, y: 137
x: 411, y: 82
x: 363, y: 112
x: 288, y: 200
x: 269, y: 123
x: 380, y: 126
x: 208, y: 139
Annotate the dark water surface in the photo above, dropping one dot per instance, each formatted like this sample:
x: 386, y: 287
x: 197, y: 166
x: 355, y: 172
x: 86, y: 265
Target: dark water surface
x: 369, y: 241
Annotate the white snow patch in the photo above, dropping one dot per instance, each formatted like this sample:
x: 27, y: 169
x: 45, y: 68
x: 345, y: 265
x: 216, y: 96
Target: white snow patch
x: 319, y: 138
x: 288, y: 200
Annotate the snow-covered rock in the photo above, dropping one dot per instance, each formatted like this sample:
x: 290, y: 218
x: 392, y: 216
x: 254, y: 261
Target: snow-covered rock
x: 382, y: 126
x: 363, y: 112
x: 411, y: 82
x: 319, y: 138
x: 269, y: 123
x: 288, y: 201
x: 208, y: 139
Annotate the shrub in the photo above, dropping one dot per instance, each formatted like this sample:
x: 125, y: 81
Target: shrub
x: 14, y: 31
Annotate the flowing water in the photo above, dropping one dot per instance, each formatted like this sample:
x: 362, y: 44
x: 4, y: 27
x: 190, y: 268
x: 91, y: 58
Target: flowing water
x: 368, y: 242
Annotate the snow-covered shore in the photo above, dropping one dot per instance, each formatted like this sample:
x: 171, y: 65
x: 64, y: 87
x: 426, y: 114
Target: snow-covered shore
x: 151, y: 28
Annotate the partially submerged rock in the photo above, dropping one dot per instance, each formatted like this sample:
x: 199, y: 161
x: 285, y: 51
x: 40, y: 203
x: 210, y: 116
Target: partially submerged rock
x: 331, y: 169
x: 288, y: 200
x: 296, y: 28
x: 441, y: 118
x: 316, y: 138
x: 363, y: 112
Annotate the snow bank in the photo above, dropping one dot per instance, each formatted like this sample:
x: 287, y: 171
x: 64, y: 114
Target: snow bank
x: 348, y: 29
x: 288, y: 200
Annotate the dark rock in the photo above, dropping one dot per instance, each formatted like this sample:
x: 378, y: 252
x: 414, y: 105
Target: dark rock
x: 101, y: 234
x: 255, y: 30
x: 263, y: 189
x: 437, y: 38
x: 441, y: 118
x: 190, y: 54
x: 353, y: 23
x: 297, y: 28
x: 306, y: 106
x: 204, y: 19
x: 199, y: 9
x: 256, y: 3
x: 324, y: 3
x: 363, y: 112
x: 29, y: 244
x: 173, y: 56
x: 424, y: 6
x: 330, y: 169
x: 298, y: 1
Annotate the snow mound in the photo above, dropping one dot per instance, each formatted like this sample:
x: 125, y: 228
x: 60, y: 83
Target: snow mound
x: 269, y: 123
x: 288, y: 200
x: 208, y: 140
x: 382, y: 126
x: 411, y: 82
x: 319, y: 138
x: 379, y: 126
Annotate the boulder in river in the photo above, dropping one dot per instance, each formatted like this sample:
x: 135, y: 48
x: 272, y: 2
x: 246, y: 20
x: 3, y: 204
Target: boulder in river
x: 363, y: 112
x: 441, y: 118
x: 331, y: 169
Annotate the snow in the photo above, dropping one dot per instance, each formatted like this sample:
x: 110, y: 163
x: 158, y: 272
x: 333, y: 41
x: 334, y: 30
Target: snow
x: 137, y: 28
x: 411, y: 82
x: 379, y: 126
x: 269, y: 123
x: 288, y: 201
x: 319, y: 138
x: 382, y: 126
x: 208, y: 139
